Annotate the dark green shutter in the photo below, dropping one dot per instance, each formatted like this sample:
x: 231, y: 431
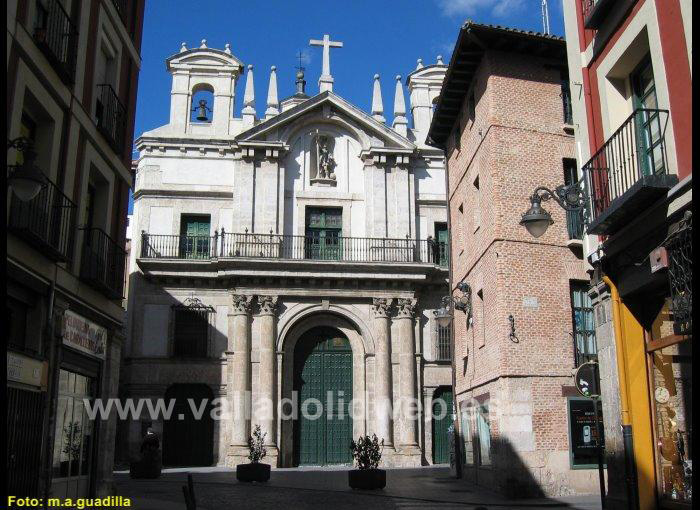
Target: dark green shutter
x: 195, y: 236
x: 324, y: 233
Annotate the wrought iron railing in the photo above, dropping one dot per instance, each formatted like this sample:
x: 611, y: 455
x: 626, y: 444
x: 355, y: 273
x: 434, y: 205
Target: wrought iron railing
x: 680, y: 274
x: 442, y: 344
x: 103, y: 262
x: 575, y: 224
x: 47, y: 221
x: 110, y: 115
x: 636, y: 149
x: 57, y: 36
x: 293, y: 247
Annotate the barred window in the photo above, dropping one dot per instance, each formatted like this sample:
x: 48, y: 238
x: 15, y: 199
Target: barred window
x: 442, y: 343
x: 191, y: 331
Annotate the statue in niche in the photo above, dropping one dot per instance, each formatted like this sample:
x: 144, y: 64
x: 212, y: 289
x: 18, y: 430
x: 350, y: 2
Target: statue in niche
x: 322, y: 161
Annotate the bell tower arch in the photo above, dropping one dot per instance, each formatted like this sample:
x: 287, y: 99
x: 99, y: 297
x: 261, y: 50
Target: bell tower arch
x: 199, y: 69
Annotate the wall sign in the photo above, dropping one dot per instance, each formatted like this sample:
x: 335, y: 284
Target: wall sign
x: 530, y: 302
x: 26, y: 370
x: 84, y: 335
x: 582, y: 432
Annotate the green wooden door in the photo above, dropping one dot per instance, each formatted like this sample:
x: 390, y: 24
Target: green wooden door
x: 323, y: 233
x: 443, y: 244
x: 442, y: 421
x: 323, y: 367
x: 194, y: 232
x: 648, y: 122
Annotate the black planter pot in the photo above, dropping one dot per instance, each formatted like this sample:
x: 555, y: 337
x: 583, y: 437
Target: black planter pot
x: 367, y: 478
x: 253, y: 472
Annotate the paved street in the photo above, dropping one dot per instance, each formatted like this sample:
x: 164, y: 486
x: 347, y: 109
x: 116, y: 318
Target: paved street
x: 430, y: 487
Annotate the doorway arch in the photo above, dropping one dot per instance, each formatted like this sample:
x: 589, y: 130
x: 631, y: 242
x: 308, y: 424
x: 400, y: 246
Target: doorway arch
x: 323, y: 380
x: 189, y: 441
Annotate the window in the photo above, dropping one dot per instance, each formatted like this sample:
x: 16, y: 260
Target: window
x: 471, y: 106
x: 16, y: 323
x: 323, y: 239
x: 649, y: 131
x: 27, y: 129
x: 574, y: 219
x: 566, y: 98
x: 195, y: 236
x: 443, y: 244
x: 483, y: 428
x: 480, y: 325
x: 456, y: 136
x: 442, y: 343
x: 191, y: 328
x: 583, y: 328
x: 476, y: 211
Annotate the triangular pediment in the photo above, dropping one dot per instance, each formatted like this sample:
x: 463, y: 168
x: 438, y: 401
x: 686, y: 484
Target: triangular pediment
x: 327, y: 107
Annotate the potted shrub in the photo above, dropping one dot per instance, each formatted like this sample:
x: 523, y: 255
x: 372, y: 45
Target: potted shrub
x: 367, y: 452
x: 254, y: 471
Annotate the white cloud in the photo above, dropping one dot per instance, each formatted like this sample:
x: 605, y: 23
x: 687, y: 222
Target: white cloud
x: 472, y: 7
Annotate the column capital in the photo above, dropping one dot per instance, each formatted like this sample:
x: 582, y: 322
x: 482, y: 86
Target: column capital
x: 268, y: 304
x: 381, y: 306
x: 406, y: 308
x: 241, y: 304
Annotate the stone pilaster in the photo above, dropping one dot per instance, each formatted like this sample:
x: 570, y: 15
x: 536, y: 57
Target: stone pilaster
x: 265, y: 409
x: 382, y: 376
x: 238, y: 377
x: 408, y: 439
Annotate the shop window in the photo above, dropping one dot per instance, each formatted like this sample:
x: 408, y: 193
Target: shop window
x: 583, y: 432
x: 483, y: 429
x: 191, y: 331
x: 467, y: 436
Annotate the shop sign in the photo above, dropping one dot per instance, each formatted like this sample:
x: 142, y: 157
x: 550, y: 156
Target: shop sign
x: 84, y: 335
x: 583, y: 432
x: 25, y: 370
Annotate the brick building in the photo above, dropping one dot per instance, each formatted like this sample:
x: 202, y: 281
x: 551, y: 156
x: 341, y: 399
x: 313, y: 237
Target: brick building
x: 632, y: 64
x: 503, y: 119
x: 72, y: 68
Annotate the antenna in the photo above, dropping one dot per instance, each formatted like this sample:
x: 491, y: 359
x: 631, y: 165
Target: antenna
x: 545, y: 17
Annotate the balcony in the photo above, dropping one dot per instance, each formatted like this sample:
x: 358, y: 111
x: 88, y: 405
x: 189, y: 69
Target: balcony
x: 57, y: 37
x: 595, y: 11
x: 628, y: 172
x: 110, y: 115
x: 103, y: 263
x: 292, y: 247
x: 47, y: 222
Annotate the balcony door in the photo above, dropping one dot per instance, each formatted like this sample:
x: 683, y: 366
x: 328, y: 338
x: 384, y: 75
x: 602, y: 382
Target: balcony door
x: 194, y: 237
x: 442, y: 244
x: 323, y: 233
x: 647, y: 121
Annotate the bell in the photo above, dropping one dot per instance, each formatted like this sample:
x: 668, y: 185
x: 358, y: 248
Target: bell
x: 202, y: 115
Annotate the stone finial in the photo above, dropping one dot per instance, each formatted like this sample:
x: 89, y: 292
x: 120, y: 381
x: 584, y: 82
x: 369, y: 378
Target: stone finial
x: 439, y: 60
x: 419, y: 64
x: 249, y: 99
x: 272, y: 101
x: 183, y: 47
x: 381, y: 307
x: 377, y: 105
x: 400, y: 124
x: 227, y: 48
x: 268, y: 304
x: 204, y: 43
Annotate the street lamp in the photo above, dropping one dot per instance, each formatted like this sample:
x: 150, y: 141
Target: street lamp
x: 537, y: 220
x: 26, y: 180
x: 443, y: 315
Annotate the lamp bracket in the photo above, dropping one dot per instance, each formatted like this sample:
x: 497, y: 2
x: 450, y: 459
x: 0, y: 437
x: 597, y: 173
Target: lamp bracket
x: 570, y: 197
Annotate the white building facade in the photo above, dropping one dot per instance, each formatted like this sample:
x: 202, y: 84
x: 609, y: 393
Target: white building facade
x: 284, y: 257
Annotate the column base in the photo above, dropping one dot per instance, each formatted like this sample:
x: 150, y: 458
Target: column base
x: 237, y: 454
x: 407, y: 456
x: 272, y: 456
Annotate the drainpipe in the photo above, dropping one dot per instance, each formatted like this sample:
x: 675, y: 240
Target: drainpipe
x: 628, y: 446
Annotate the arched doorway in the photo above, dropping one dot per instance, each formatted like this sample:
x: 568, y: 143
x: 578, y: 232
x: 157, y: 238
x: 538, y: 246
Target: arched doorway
x: 442, y: 421
x: 188, y: 440
x: 323, y: 382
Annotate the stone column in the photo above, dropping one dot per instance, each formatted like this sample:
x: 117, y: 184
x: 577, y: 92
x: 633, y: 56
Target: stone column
x: 238, y: 377
x: 265, y: 409
x: 382, y: 373
x: 408, y: 441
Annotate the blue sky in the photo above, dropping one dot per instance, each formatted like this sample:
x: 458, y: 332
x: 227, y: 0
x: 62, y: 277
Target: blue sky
x: 379, y: 36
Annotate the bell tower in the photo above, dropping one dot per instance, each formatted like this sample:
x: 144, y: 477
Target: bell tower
x: 208, y: 69
x: 424, y: 85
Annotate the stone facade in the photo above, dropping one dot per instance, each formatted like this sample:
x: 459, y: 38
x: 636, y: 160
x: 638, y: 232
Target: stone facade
x: 513, y: 378
x: 255, y: 182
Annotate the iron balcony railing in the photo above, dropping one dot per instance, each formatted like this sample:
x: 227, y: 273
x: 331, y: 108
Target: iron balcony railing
x: 103, y: 263
x: 47, y: 221
x: 636, y: 149
x: 57, y: 36
x: 575, y: 224
x: 293, y: 247
x: 111, y: 116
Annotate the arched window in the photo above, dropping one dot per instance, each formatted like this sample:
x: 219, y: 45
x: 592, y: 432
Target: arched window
x: 202, y: 107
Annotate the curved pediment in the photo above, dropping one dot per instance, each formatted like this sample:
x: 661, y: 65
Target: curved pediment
x: 329, y: 108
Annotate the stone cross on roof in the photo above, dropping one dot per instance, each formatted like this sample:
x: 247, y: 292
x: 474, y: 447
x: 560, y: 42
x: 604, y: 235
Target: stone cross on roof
x: 325, y: 82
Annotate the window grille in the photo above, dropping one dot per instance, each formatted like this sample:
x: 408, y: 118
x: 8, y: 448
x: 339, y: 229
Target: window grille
x: 442, y: 344
x: 679, y: 247
x: 191, y: 329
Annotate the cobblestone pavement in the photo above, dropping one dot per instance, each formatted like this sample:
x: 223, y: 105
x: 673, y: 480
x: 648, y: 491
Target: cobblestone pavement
x: 307, y: 488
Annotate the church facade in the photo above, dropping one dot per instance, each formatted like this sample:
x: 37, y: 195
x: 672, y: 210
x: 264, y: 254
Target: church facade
x: 284, y: 272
